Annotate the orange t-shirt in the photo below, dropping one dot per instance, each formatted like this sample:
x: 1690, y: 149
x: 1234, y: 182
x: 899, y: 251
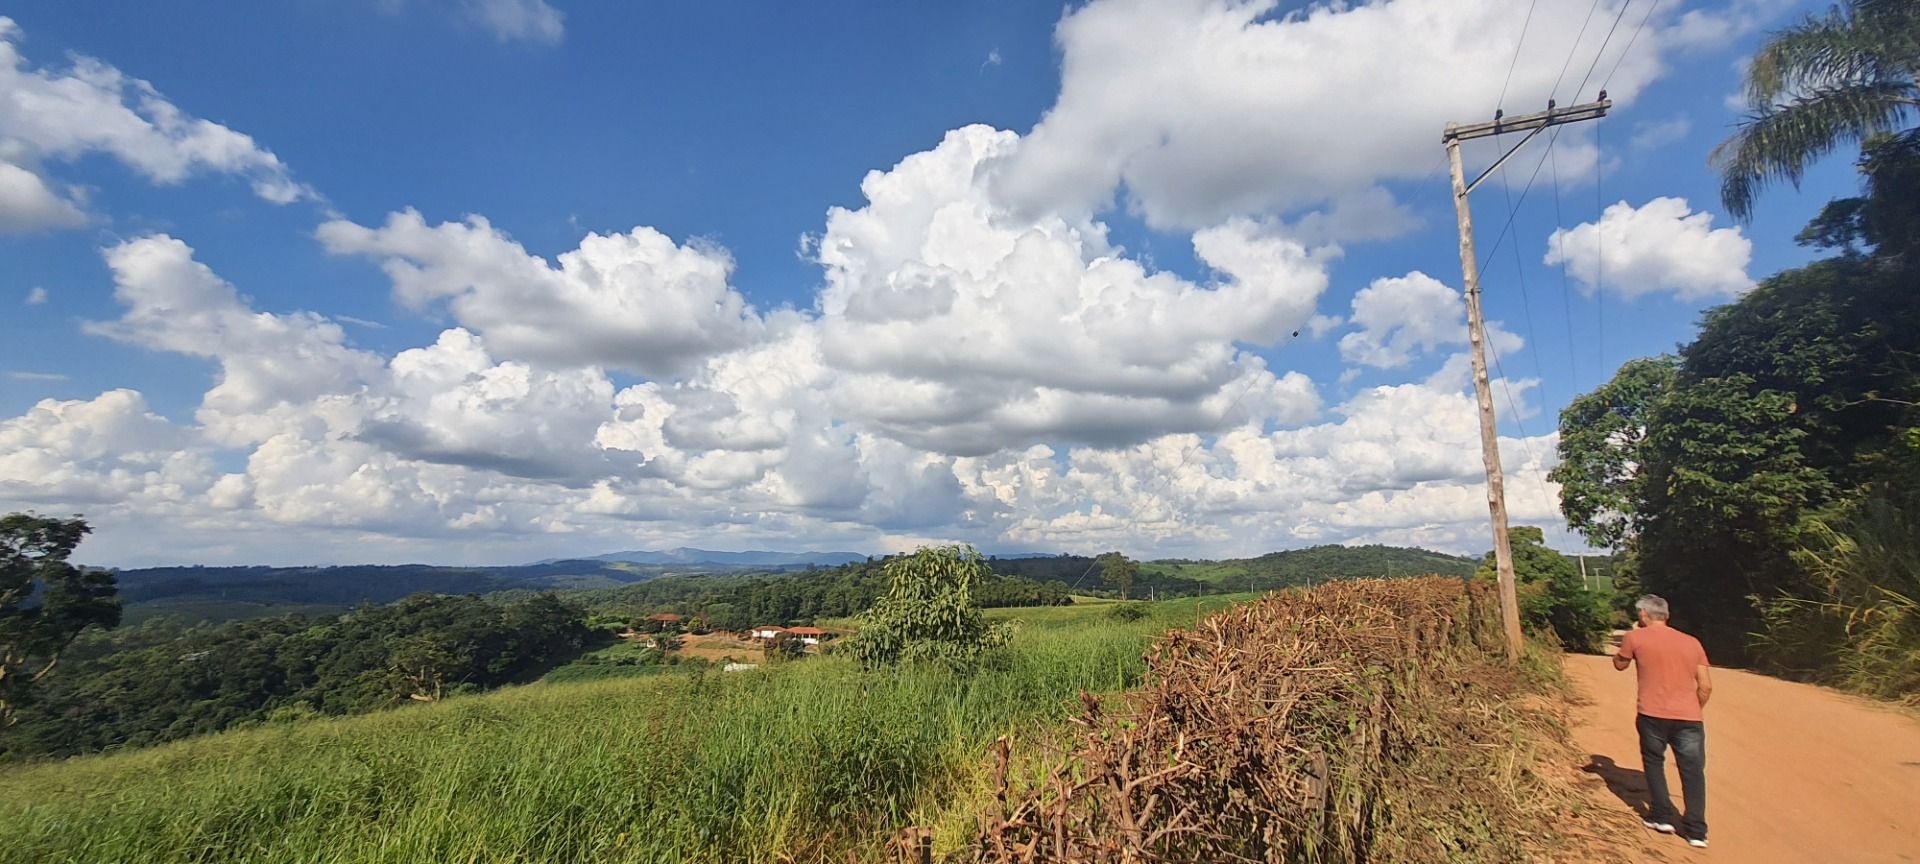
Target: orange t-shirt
x: 1665, y: 660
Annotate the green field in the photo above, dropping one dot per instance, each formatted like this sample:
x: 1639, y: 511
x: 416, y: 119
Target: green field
x: 808, y: 759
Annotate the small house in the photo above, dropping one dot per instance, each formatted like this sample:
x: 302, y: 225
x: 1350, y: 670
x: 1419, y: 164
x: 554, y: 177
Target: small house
x: 766, y: 631
x: 810, y: 635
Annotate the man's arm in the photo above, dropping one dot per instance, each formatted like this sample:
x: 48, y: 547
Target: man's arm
x: 1623, y: 656
x: 1703, y: 683
x: 1621, y: 662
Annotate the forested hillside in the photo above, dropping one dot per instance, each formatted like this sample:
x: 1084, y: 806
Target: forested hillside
x: 1314, y: 565
x: 739, y: 601
x: 144, y: 685
x: 223, y: 593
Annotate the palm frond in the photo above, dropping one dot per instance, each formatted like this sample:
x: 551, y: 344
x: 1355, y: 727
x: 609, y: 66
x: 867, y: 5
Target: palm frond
x: 1819, y: 50
x: 1778, y: 143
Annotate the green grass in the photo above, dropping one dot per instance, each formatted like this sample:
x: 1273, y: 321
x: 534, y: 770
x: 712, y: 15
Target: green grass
x: 807, y: 760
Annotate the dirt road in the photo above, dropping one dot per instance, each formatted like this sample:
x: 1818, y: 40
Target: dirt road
x: 1794, y: 773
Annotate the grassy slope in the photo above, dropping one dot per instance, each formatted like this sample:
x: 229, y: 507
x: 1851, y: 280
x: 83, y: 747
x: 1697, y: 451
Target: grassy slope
x: 807, y: 759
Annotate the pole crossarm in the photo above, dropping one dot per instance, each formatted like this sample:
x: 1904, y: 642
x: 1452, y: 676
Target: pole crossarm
x: 1524, y: 122
x: 1500, y: 161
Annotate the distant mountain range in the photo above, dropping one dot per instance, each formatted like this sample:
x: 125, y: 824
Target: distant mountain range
x: 689, y: 556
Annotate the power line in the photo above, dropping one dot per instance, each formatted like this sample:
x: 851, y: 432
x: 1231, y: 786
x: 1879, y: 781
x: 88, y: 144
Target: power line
x: 1566, y: 288
x: 1636, y: 37
x: 1499, y: 103
x: 1555, y: 92
x: 1603, y: 48
x: 1551, y: 140
x: 1520, y: 272
x: 1513, y: 410
x: 1599, y: 262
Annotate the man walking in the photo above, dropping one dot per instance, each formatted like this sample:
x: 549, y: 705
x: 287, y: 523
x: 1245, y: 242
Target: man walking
x: 1674, y: 686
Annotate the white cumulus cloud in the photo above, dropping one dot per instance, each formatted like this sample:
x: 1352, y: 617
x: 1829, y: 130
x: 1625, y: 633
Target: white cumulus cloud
x: 965, y: 327
x: 1401, y: 317
x: 635, y: 301
x: 27, y: 204
x: 1660, y: 246
x: 49, y: 115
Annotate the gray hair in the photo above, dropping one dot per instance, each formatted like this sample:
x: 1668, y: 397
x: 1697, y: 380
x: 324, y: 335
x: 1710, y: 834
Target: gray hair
x: 1654, y: 605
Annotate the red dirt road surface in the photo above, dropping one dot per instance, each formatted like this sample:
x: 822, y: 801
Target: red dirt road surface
x: 1795, y: 773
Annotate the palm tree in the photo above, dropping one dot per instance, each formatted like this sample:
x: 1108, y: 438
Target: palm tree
x: 1841, y: 77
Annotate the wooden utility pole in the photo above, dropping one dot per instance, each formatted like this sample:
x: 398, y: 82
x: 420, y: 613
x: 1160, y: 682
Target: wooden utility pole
x: 1532, y: 124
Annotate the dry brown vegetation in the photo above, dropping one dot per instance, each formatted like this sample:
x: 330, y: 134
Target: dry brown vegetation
x: 1356, y: 721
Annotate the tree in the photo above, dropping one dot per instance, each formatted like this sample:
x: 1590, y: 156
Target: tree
x: 784, y: 646
x: 420, y: 665
x: 1886, y: 218
x: 1552, y: 595
x: 1117, y: 571
x: 1602, y: 472
x: 1728, y: 485
x: 44, y: 601
x: 1843, y: 77
x: 928, y: 612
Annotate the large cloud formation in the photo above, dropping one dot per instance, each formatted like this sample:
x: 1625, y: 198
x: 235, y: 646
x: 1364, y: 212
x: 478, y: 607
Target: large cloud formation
x: 1203, y: 109
x: 982, y: 362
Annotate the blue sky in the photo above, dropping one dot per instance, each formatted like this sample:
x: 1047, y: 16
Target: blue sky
x: 293, y: 417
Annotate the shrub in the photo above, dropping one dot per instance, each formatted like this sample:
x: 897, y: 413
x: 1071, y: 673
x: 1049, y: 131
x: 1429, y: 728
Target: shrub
x: 928, y: 613
x: 1129, y: 612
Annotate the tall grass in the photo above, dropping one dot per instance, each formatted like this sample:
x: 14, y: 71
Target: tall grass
x: 1856, y: 624
x: 806, y: 760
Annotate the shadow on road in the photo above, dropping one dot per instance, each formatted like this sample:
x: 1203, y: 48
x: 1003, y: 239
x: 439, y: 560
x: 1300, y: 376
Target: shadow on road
x: 1626, y: 784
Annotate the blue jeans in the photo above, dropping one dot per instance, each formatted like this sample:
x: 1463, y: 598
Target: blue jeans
x: 1688, y: 738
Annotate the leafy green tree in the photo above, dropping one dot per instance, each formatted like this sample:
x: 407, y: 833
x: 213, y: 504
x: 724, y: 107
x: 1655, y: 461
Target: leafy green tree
x: 725, y: 616
x: 44, y: 601
x: 1841, y: 77
x: 928, y: 612
x: 1602, y: 471
x: 1117, y: 571
x: 1728, y: 487
x: 1552, y: 596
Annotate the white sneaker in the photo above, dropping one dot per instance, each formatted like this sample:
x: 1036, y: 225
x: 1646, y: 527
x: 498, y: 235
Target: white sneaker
x: 1697, y: 843
x: 1661, y: 827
